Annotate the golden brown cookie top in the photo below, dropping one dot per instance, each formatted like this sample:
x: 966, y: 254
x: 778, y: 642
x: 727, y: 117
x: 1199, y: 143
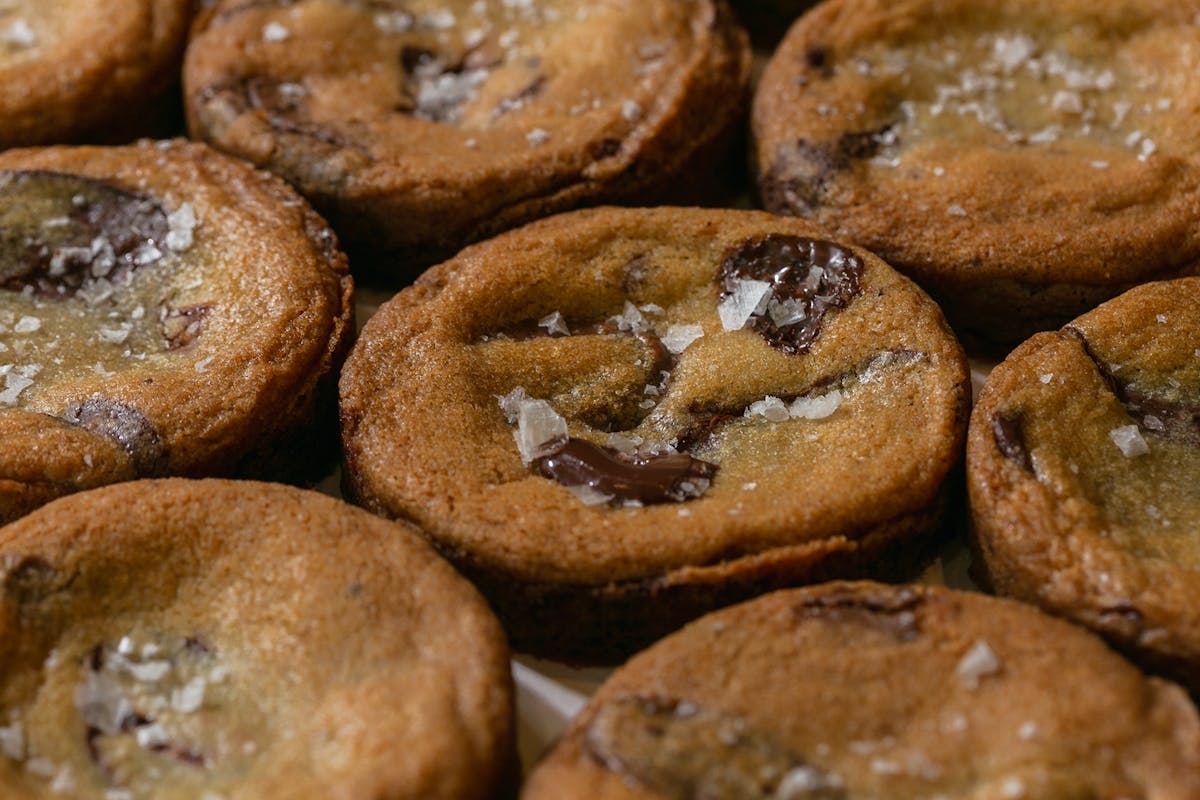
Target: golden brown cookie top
x: 1024, y: 142
x: 862, y: 690
x: 187, y: 639
x: 69, y: 67
x: 608, y: 394
x: 164, y: 297
x: 439, y: 121
x: 1084, y: 462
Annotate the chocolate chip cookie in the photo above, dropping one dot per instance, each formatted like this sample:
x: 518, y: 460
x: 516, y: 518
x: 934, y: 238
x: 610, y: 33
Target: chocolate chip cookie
x: 1084, y: 467
x: 202, y: 639
x: 164, y: 310
x: 887, y: 692
x: 418, y: 126
x: 86, y: 69
x: 615, y: 420
x: 1021, y: 161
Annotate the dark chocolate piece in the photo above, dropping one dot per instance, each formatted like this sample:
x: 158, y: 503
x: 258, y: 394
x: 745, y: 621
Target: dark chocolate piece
x: 809, y: 278
x: 682, y: 752
x: 128, y: 426
x: 1008, y: 431
x: 657, y: 478
x: 182, y: 326
x: 797, y: 179
x: 59, y: 232
x: 891, y: 612
x: 1177, y: 420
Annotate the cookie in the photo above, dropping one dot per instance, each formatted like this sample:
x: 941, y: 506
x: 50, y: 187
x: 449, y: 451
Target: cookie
x: 74, y: 70
x: 164, y: 310
x: 863, y: 690
x: 1084, y: 462
x: 418, y: 126
x: 1022, y: 162
x: 202, y: 639
x: 615, y: 420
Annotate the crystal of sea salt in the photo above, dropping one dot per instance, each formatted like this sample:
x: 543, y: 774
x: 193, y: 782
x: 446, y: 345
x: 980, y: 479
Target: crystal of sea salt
x: 1129, y: 441
x: 538, y: 425
x: 749, y: 297
x: 978, y: 662
x: 816, y: 407
x: 679, y: 337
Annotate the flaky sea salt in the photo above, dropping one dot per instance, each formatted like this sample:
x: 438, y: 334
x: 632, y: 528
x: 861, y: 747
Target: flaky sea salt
x: 816, y: 406
x: 538, y: 425
x: 18, y: 33
x: 27, y: 325
x: 679, y: 337
x: 182, y: 222
x: 805, y: 781
x: 393, y: 21
x: 1129, y: 441
x: 12, y: 741
x: 149, y: 671
x: 589, y: 496
x: 14, y: 384
x: 554, y: 324
x: 746, y: 299
x: 537, y: 137
x: 631, y: 111
x: 510, y: 403
x: 274, y: 32
x: 955, y: 210
x: 630, y: 319
x: 1012, y: 788
x: 1049, y: 376
x: 772, y: 408
x: 190, y: 696
x: 152, y: 736
x: 203, y: 364
x: 1028, y: 730
x: 978, y: 662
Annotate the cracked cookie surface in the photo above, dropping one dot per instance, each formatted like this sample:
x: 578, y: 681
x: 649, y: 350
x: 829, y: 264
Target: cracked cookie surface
x: 614, y: 420
x: 419, y: 126
x: 176, y: 639
x: 163, y: 310
x: 859, y: 691
x: 1023, y: 164
x: 1084, y: 462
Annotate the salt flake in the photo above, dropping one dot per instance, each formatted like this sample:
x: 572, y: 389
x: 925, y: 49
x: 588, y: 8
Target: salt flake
x: 746, y: 299
x: 679, y: 337
x: 1129, y: 441
x: 978, y: 662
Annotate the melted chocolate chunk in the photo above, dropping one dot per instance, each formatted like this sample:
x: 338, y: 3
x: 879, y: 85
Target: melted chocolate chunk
x: 658, y: 478
x: 1008, y: 432
x: 893, y: 613
x: 128, y: 426
x: 809, y: 278
x: 59, y: 232
x: 1174, y: 418
x: 797, y: 179
x: 182, y: 326
x: 32, y: 579
x: 682, y: 752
